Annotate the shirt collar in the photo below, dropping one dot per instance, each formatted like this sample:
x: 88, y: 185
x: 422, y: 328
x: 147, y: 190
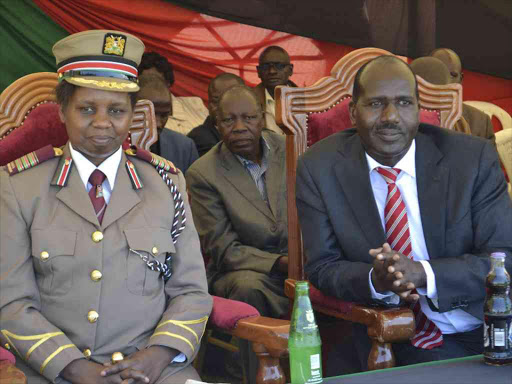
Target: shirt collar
x: 109, y: 166
x: 177, y: 109
x: 406, y: 164
x: 264, y: 159
x: 268, y: 99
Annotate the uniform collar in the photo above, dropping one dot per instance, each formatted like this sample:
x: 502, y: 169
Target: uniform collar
x: 406, y: 164
x: 109, y: 166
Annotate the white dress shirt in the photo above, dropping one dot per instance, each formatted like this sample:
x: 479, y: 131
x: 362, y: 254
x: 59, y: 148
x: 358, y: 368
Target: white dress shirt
x: 109, y: 167
x: 270, y: 114
x: 454, y: 321
x: 187, y: 113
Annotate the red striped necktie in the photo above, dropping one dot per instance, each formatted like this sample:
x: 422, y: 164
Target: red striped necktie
x: 427, y: 334
x: 96, y: 193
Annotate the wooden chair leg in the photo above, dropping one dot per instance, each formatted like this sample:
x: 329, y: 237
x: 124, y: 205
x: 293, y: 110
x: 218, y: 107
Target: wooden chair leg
x: 269, y: 368
x: 381, y: 356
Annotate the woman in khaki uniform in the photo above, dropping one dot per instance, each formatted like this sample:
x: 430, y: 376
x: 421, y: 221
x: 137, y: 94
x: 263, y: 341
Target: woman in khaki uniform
x: 94, y: 271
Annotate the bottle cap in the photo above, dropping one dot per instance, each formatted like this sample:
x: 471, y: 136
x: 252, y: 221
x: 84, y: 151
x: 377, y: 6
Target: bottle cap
x: 498, y: 255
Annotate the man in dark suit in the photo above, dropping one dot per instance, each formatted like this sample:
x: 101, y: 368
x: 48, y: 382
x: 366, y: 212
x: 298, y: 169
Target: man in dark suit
x: 479, y: 123
x: 446, y: 211
x: 171, y: 145
x: 206, y: 135
x: 274, y: 69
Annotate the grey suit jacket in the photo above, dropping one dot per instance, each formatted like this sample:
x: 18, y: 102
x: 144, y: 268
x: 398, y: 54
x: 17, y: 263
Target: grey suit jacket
x: 465, y: 212
x: 238, y: 230
x: 177, y: 148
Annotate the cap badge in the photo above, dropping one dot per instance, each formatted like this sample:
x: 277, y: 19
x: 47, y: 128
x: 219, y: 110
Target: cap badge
x: 114, y: 44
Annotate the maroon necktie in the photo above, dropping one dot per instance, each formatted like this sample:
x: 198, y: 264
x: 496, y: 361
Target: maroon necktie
x: 96, y: 193
x: 427, y: 335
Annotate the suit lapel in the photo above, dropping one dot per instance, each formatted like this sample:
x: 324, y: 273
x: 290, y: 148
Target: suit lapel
x: 432, y: 184
x: 274, y: 176
x: 124, y: 197
x: 237, y: 176
x: 74, y: 195
x: 353, y: 175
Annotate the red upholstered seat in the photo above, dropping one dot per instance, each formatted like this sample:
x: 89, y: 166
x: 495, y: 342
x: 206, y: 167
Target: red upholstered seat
x: 5, y: 355
x: 337, y: 118
x: 319, y: 299
x: 226, y: 313
x: 41, y: 127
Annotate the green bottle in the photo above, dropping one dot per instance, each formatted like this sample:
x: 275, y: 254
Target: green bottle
x: 304, y: 344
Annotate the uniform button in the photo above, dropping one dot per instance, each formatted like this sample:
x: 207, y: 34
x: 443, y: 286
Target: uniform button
x: 154, y: 250
x: 273, y: 228
x: 92, y: 316
x: 44, y: 255
x: 96, y: 275
x: 117, y: 357
x: 87, y: 353
x: 97, y: 236
x: 7, y: 346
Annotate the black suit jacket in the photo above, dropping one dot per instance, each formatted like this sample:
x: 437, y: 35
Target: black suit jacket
x: 178, y: 148
x: 465, y: 212
x: 205, y: 136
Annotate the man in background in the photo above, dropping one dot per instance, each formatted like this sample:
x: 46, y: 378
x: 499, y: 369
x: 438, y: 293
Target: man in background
x: 207, y: 135
x: 274, y: 69
x: 171, y: 145
x: 479, y: 123
x: 186, y: 112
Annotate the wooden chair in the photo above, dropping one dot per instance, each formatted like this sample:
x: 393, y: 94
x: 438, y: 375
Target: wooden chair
x: 309, y: 114
x: 29, y: 99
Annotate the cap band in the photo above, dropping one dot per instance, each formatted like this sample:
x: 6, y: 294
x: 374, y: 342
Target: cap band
x: 97, y: 73
x: 99, y: 65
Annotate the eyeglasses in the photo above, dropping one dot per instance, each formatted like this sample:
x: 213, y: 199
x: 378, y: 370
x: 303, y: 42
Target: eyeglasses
x: 277, y: 66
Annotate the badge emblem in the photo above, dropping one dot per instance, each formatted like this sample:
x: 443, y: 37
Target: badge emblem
x: 114, y: 44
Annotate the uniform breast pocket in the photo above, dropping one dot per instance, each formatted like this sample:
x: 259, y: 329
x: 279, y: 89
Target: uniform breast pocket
x: 53, y: 256
x: 146, y: 245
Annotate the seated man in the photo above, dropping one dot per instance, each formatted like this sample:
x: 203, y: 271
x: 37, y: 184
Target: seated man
x: 171, y: 145
x: 393, y: 209
x: 207, y: 135
x: 274, y: 69
x: 436, y: 72
x: 479, y: 122
x: 186, y: 112
x: 238, y: 196
x: 95, y: 265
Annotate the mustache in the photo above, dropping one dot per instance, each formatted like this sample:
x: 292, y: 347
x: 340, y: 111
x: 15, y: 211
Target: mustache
x: 387, y: 126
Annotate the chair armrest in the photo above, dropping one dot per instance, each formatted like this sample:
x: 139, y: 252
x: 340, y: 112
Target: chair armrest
x: 385, y: 325
x: 9, y: 374
x: 269, y: 336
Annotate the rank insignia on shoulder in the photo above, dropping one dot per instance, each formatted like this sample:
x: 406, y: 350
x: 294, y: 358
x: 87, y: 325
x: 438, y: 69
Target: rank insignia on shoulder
x: 151, y: 158
x: 32, y: 159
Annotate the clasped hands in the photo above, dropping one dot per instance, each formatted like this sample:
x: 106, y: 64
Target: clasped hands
x: 395, y: 272
x: 144, y: 366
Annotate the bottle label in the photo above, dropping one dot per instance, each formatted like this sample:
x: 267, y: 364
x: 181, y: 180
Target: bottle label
x: 498, y: 334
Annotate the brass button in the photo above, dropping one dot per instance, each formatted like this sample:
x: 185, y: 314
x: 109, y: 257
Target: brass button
x: 7, y: 346
x: 154, y: 250
x: 117, y: 357
x: 87, y: 353
x: 92, y: 316
x: 44, y: 255
x: 97, y: 236
x: 96, y: 275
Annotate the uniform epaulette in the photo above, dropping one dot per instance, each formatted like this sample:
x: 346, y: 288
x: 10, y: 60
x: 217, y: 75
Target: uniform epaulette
x: 151, y: 158
x: 32, y: 159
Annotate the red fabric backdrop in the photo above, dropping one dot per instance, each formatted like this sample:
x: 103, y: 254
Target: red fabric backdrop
x: 201, y: 46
